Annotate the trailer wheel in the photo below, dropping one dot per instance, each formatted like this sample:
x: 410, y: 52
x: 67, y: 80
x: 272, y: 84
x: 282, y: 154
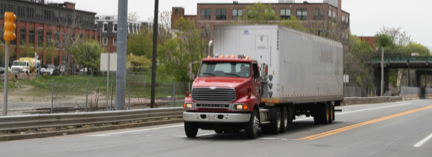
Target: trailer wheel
x: 322, y: 113
x: 191, y: 129
x: 251, y: 127
x: 331, y: 108
x: 284, y: 120
x: 275, y: 120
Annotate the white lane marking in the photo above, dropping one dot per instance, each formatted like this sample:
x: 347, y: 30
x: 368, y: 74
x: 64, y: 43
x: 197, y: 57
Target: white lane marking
x: 420, y: 143
x: 109, y: 134
x: 196, y: 136
x: 294, y: 120
x: 372, y: 108
x: 355, y: 111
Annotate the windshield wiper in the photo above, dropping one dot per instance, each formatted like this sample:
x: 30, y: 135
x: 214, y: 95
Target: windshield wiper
x: 233, y: 74
x: 209, y: 74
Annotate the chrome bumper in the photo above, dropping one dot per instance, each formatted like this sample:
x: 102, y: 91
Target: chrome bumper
x: 216, y: 117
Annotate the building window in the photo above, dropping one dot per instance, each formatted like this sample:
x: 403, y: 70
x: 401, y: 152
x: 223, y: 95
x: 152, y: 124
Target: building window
x: 302, y: 14
x: 205, y: 14
x: 56, y: 16
x: 334, y: 17
x: 105, y: 28
x: 63, y: 18
x: 318, y: 14
x: 30, y: 12
x: 40, y: 37
x: 22, y: 36
x: 56, y: 39
x: 115, y: 27
x: 1, y: 33
x: 220, y: 14
x: 129, y: 25
x: 39, y: 15
x: 21, y: 11
x: 115, y: 41
x: 64, y: 38
x: 2, y: 9
x: 47, y: 15
x: 95, y: 26
x: 330, y: 13
x: 31, y: 37
x: 237, y: 14
x: 105, y: 41
x: 48, y: 37
x: 285, y: 13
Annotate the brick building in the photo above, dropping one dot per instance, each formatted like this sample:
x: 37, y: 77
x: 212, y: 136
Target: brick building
x: 318, y: 15
x: 106, y: 25
x: 39, y: 22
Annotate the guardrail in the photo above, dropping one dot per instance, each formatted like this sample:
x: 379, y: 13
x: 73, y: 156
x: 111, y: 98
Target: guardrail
x: 9, y: 123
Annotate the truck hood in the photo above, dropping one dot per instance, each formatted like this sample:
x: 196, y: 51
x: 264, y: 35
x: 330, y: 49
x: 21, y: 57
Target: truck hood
x: 230, y: 82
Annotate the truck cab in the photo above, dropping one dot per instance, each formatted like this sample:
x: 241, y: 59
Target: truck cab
x: 25, y: 65
x: 225, y: 96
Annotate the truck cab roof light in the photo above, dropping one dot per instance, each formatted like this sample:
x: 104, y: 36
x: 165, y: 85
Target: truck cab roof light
x: 208, y: 57
x: 233, y: 56
x: 222, y: 56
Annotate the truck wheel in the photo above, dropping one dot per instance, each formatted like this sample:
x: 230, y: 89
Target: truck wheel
x: 322, y: 113
x: 275, y: 120
x: 191, y: 129
x: 332, y: 113
x: 265, y: 129
x: 285, y: 120
x: 251, y: 127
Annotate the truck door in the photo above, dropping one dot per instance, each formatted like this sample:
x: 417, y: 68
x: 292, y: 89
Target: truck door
x: 256, y: 81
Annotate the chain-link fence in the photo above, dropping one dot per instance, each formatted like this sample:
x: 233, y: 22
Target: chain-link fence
x: 91, y: 93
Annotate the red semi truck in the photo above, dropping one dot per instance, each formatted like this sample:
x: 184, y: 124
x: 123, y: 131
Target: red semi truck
x: 280, y: 73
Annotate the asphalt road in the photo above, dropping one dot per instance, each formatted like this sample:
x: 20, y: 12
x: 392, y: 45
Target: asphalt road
x: 387, y: 129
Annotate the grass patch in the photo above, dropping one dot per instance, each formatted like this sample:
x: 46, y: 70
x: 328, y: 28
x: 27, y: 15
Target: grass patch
x: 140, y: 85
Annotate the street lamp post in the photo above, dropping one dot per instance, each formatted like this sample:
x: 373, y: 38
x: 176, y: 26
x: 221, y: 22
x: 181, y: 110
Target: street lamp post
x: 382, y: 71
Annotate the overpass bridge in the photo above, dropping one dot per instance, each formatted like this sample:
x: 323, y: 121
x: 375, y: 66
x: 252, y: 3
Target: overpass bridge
x: 422, y: 65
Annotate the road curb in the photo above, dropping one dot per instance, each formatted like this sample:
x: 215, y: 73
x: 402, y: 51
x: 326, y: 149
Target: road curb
x: 85, y: 130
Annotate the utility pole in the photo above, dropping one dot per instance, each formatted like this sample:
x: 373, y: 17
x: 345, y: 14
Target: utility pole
x: 155, y: 33
x: 9, y: 35
x: 382, y: 71
x: 121, y: 55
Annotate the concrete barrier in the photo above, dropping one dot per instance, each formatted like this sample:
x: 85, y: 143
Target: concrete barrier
x: 367, y: 100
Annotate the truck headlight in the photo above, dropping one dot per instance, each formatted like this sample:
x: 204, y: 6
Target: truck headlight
x: 241, y: 107
x: 187, y: 105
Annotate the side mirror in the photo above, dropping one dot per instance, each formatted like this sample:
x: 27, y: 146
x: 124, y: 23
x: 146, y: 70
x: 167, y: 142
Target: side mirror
x: 189, y: 71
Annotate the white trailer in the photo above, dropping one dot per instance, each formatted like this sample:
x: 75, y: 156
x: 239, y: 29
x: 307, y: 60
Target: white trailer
x: 302, y: 68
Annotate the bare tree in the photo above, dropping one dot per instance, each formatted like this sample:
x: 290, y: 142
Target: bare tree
x: 70, y: 32
x: 133, y: 16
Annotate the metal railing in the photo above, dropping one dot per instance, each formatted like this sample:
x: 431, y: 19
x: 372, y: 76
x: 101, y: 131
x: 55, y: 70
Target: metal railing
x: 9, y: 123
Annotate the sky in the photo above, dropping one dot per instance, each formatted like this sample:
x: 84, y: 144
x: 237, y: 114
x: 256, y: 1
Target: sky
x: 367, y: 17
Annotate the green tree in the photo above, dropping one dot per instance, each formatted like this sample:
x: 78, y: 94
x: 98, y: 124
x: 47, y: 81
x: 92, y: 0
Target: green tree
x: 414, y: 47
x: 294, y: 24
x: 87, y: 53
x: 134, y: 63
x: 175, y: 54
x: 50, y: 51
x: 28, y: 51
x: 140, y: 44
x: 355, y: 62
x: 260, y: 13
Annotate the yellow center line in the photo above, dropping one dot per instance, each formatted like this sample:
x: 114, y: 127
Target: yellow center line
x: 328, y: 133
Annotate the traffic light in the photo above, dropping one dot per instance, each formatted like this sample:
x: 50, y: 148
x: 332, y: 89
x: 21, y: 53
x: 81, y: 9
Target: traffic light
x: 9, y: 26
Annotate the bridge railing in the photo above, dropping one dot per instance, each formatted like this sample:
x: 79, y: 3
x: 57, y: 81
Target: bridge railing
x: 402, y: 58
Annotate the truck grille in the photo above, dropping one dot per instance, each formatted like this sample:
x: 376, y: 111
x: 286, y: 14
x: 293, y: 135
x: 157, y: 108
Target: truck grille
x: 218, y: 94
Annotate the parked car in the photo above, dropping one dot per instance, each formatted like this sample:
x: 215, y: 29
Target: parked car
x: 2, y: 70
x: 48, y: 70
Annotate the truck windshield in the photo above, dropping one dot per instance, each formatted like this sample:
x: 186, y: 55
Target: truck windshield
x: 19, y: 63
x: 225, y: 69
